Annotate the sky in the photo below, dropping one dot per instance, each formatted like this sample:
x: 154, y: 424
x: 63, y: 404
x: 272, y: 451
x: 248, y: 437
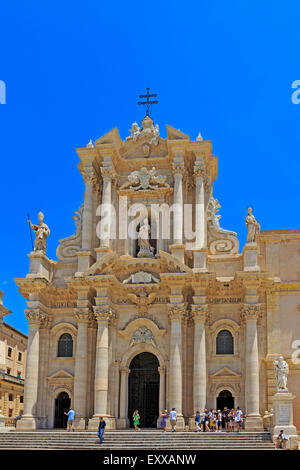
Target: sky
x: 73, y: 71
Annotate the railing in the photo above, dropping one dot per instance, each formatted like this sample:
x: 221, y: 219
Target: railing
x: 11, y: 378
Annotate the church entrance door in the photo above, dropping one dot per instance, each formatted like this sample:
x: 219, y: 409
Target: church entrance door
x: 225, y: 398
x: 143, y: 389
x: 62, y: 404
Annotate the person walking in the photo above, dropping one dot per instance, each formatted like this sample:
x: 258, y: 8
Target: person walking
x: 163, y: 423
x: 197, y: 421
x: 173, y: 419
x: 71, y: 416
x: 101, y: 429
x: 207, y: 420
x: 239, y: 419
x: 136, y: 420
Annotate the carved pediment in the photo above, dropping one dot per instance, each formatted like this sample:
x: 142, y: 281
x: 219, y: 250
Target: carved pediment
x: 225, y: 372
x: 60, y: 375
x: 112, y: 137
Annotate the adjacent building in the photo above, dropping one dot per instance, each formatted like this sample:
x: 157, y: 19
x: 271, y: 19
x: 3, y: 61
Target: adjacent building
x: 13, y: 345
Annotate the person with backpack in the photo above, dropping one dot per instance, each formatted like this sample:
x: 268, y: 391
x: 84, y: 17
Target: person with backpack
x: 197, y: 421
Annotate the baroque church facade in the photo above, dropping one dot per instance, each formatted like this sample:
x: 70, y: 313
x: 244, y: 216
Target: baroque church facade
x: 120, y: 323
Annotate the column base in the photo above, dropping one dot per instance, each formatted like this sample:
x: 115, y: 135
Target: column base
x: 79, y: 423
x: 122, y: 423
x: 26, y: 423
x: 94, y: 422
x: 254, y: 423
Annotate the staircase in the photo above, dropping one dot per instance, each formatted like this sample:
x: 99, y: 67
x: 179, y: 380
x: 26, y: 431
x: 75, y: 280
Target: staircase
x: 127, y: 440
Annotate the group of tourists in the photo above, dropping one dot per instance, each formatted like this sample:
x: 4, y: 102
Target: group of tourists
x: 215, y: 420
x: 206, y: 421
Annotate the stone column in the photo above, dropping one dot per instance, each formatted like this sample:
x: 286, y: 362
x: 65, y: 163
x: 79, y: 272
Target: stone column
x: 107, y: 175
x: 87, y: 216
x: 178, y: 202
x: 102, y: 314
x: 84, y: 255
x: 83, y: 316
x: 29, y: 421
x: 199, y: 313
x: 250, y: 315
x: 123, y: 421
x: 176, y: 313
x: 162, y: 388
x: 200, y: 218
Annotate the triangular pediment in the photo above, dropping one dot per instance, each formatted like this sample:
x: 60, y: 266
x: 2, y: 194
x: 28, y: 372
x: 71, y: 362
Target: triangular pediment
x: 225, y: 372
x: 112, y: 137
x: 176, y: 134
x: 61, y: 374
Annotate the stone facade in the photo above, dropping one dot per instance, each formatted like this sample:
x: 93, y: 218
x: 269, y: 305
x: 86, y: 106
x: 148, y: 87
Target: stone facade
x: 113, y: 300
x: 13, y: 346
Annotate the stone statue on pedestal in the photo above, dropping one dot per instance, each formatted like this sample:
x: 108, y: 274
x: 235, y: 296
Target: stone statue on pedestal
x: 146, y: 250
x: 252, y: 226
x: 281, y: 371
x: 41, y: 231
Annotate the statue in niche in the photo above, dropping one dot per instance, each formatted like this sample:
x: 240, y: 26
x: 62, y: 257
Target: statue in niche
x: 281, y: 371
x: 252, y: 226
x: 41, y: 232
x: 145, y: 249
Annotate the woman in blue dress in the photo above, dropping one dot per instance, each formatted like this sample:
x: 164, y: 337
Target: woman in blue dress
x: 163, y: 423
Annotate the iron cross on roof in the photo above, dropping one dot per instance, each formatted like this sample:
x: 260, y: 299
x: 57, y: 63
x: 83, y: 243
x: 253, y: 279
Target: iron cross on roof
x: 148, y: 103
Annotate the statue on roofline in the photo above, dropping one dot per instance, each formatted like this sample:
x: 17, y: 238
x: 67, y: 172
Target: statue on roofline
x: 41, y: 231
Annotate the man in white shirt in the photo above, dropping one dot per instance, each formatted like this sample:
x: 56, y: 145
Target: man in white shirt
x: 173, y: 419
x: 238, y: 418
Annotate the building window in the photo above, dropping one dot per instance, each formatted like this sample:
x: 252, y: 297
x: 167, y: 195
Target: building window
x: 224, y: 342
x: 10, y: 413
x: 20, y: 357
x: 65, y: 346
x: 10, y: 397
x: 9, y: 352
x: 21, y: 399
x: 18, y: 374
x: 8, y: 371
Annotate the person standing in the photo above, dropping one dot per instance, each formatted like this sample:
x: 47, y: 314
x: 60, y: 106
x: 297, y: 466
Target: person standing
x: 163, y: 423
x: 101, y: 429
x: 136, y: 420
x: 239, y: 419
x: 71, y: 416
x: 226, y: 418
x: 197, y: 421
x: 232, y: 419
x: 219, y: 421
x: 173, y: 419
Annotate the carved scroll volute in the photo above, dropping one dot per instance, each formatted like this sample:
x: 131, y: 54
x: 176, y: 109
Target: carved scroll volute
x: 220, y: 241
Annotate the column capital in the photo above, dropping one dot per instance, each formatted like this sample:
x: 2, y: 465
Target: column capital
x: 161, y: 369
x: 200, y: 312
x: 251, y: 312
x: 83, y: 314
x: 176, y: 311
x: 103, y: 313
x: 108, y: 172
x: 90, y: 176
x: 36, y: 316
x: 125, y: 370
x: 178, y: 168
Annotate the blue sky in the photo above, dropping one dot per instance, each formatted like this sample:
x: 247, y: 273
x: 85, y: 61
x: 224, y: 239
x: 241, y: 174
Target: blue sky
x: 74, y: 70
